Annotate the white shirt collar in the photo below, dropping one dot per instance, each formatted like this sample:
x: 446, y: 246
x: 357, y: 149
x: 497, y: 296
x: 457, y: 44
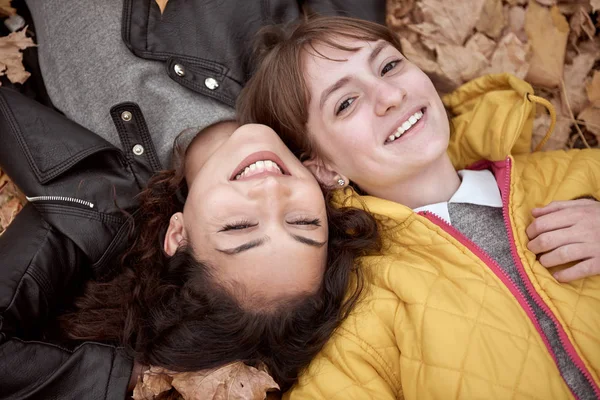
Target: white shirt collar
x: 476, y: 187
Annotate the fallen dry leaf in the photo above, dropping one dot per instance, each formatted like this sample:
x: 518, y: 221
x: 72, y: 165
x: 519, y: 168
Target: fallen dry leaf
x: 162, y: 4
x: 555, y: 36
x: 581, y: 23
x: 511, y: 56
x: 559, y: 136
x: 5, y: 9
x: 234, y: 381
x: 459, y: 63
x: 482, y: 44
x: 8, y: 212
x: 568, y: 8
x: 516, y: 22
x: 11, y: 58
x: 548, y: 31
x: 396, y: 11
x: 575, y: 75
x: 419, y: 57
x: 593, y: 88
x: 11, y: 201
x: 449, y: 22
x: 591, y: 117
x: 153, y: 382
x: 492, y: 19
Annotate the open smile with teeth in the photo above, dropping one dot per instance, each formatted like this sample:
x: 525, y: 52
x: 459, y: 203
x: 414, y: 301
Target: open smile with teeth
x: 406, y: 125
x: 258, y: 168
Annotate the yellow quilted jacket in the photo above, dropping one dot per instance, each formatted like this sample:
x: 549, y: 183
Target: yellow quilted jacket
x: 439, y: 319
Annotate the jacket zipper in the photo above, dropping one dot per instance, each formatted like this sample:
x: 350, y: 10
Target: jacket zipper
x: 60, y: 198
x: 562, y: 335
x: 493, y: 265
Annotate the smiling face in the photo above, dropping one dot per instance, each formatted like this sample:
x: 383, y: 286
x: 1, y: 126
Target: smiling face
x: 374, y: 117
x: 255, y: 213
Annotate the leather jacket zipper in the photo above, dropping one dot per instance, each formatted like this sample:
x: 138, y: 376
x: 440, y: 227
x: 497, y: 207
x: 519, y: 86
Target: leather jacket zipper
x: 60, y: 198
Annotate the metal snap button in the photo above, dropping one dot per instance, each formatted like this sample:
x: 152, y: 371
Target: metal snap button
x: 126, y: 116
x: 138, y: 150
x: 179, y: 70
x: 211, y: 83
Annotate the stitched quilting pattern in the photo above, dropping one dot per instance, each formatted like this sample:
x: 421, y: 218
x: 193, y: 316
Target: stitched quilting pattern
x: 438, y: 320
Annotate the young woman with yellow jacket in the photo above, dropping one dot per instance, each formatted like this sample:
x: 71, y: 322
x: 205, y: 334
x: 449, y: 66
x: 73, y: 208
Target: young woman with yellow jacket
x: 478, y: 293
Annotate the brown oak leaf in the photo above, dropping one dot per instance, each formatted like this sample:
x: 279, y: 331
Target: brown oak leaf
x: 11, y: 57
x: 581, y: 23
x: 560, y: 136
x: 511, y: 56
x: 492, y: 19
x: 234, y: 381
x: 482, y: 44
x: 449, y: 22
x: 516, y: 22
x: 548, y: 3
x: 548, y: 31
x: 154, y: 381
x: 8, y: 212
x: 12, y: 201
x: 595, y: 5
x: 593, y: 88
x: 459, y: 63
x: 591, y: 117
x: 575, y: 77
x: 162, y: 4
x: 5, y: 9
x: 396, y: 11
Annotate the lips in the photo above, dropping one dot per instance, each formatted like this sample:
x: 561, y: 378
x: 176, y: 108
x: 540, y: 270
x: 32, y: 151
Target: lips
x: 405, y: 117
x: 259, y: 156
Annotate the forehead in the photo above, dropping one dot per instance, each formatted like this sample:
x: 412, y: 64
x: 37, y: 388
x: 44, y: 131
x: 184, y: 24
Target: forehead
x: 323, y: 58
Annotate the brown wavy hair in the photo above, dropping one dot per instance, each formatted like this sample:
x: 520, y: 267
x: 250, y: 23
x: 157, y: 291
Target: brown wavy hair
x: 171, y: 312
x: 277, y: 95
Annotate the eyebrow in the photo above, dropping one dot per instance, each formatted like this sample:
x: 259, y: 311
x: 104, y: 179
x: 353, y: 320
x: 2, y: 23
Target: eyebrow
x: 259, y: 242
x: 343, y: 81
x: 336, y: 86
x: 378, y: 48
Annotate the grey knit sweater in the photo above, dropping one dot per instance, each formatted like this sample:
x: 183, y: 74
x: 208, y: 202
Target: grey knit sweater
x: 87, y: 69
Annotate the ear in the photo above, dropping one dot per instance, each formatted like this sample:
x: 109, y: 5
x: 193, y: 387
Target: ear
x: 326, y: 175
x: 175, y: 234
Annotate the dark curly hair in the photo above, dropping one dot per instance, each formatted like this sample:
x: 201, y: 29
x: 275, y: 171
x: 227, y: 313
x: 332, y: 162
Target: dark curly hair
x: 171, y: 312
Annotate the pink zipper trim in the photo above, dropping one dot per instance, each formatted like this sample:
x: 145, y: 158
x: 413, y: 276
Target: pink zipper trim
x: 503, y: 175
x: 502, y: 172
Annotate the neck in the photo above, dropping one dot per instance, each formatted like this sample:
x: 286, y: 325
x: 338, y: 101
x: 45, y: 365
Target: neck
x: 434, y: 184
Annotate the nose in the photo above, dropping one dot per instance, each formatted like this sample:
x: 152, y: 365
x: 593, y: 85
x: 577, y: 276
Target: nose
x: 269, y: 189
x: 388, y: 97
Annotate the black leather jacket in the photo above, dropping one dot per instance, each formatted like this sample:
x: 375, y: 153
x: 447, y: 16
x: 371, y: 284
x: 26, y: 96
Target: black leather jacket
x: 80, y: 187
x: 73, y: 228
x: 206, y: 44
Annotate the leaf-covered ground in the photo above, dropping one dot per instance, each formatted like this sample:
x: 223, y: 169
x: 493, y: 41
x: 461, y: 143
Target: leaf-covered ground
x: 554, y: 45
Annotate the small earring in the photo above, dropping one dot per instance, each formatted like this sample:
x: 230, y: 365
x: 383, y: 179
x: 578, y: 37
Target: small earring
x: 341, y: 182
x: 176, y: 218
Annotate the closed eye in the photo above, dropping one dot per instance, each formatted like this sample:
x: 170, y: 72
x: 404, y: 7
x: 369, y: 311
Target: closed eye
x: 389, y: 66
x: 237, y: 226
x: 306, y: 221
